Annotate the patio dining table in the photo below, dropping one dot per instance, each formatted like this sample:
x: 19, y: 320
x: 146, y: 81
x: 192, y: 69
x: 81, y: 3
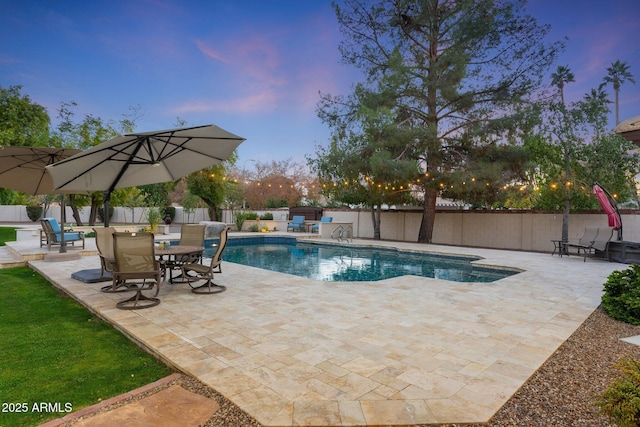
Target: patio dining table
x: 173, y: 254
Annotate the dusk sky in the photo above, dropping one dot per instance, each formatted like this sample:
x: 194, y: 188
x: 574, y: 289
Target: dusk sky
x: 254, y: 67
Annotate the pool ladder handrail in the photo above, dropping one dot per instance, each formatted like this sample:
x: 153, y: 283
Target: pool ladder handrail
x: 341, y: 233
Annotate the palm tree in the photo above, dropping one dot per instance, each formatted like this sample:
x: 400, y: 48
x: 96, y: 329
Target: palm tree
x: 618, y: 74
x: 562, y: 76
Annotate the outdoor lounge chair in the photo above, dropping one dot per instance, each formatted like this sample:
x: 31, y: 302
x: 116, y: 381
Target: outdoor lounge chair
x: 594, y: 240
x: 136, y: 269
x: 190, y: 235
x: 315, y: 227
x: 205, y: 272
x: 53, y: 233
x: 104, y: 244
x: 296, y: 224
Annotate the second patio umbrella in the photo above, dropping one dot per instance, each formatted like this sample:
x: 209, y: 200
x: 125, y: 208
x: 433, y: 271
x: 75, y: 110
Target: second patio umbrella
x: 24, y: 169
x: 143, y: 158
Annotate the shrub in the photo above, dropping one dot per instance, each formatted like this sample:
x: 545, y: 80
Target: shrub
x: 255, y: 228
x: 34, y: 212
x: 239, y: 218
x: 267, y: 215
x: 621, y: 299
x: 101, y: 213
x: 621, y: 400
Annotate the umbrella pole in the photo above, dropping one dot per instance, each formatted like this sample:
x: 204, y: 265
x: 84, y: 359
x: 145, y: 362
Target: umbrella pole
x: 106, y: 196
x: 63, y: 245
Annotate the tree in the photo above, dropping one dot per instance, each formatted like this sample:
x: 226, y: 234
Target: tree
x: 210, y: 185
x: 457, y: 70
x: 596, y: 106
x: 618, y: 73
x: 274, y: 184
x: 367, y: 162
x: 22, y: 121
x: 560, y: 78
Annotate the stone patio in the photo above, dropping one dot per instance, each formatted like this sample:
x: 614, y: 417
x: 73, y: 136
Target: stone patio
x: 410, y: 350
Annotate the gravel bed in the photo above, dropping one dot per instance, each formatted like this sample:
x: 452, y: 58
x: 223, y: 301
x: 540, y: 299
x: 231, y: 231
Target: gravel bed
x: 560, y: 393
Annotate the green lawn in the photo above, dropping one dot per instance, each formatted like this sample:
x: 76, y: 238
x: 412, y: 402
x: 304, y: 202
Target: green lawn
x: 55, y: 357
x: 7, y: 234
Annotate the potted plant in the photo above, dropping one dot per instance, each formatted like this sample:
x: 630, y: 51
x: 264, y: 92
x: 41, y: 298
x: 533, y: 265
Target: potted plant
x: 169, y: 213
x: 153, y: 218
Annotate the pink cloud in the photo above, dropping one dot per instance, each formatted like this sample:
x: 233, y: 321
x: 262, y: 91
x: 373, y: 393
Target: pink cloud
x: 243, y: 104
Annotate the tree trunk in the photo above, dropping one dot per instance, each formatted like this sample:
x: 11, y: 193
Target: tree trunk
x: 75, y: 210
x: 93, y: 213
x: 375, y: 218
x: 567, y: 196
x: 428, y: 215
x: 213, y: 212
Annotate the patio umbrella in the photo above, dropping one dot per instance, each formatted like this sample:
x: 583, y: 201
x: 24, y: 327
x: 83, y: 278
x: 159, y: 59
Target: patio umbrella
x: 143, y: 158
x: 24, y: 169
x: 610, y: 207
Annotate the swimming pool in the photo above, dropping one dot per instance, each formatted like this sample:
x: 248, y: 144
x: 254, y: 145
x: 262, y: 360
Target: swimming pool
x: 335, y: 263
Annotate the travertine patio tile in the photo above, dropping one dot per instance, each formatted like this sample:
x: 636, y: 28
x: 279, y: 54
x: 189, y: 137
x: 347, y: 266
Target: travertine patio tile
x: 363, y: 366
x: 351, y: 413
x: 310, y: 413
x: 353, y: 386
x: 387, y: 412
x: 408, y: 350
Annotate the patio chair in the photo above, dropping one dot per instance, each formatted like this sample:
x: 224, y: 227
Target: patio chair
x: 594, y: 239
x: 205, y: 272
x: 104, y: 244
x: 190, y: 235
x: 136, y: 269
x: 53, y: 233
x: 325, y: 219
x: 296, y: 224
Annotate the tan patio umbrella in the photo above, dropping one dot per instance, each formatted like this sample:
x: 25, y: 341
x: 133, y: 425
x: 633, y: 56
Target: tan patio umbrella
x: 24, y: 169
x: 143, y: 158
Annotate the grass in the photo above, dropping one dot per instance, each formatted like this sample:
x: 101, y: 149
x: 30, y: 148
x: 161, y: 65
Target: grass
x: 7, y: 234
x: 55, y: 352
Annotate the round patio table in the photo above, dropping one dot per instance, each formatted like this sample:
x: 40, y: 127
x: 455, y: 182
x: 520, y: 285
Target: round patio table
x: 174, y: 254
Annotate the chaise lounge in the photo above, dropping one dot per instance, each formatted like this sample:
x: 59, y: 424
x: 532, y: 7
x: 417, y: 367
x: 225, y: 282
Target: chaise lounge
x: 594, y: 240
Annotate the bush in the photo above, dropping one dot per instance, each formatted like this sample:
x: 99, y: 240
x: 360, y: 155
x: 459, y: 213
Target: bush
x: 101, y: 213
x: 267, y: 215
x: 621, y: 299
x: 34, y: 212
x: 621, y: 400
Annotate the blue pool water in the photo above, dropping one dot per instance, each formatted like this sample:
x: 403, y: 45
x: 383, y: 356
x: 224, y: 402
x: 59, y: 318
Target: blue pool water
x: 350, y: 264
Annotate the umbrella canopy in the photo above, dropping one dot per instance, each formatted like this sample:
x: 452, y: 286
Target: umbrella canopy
x: 144, y: 158
x: 610, y: 207
x: 24, y: 168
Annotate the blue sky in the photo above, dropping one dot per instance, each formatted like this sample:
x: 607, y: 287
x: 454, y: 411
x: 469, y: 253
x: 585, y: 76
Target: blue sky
x: 253, y: 67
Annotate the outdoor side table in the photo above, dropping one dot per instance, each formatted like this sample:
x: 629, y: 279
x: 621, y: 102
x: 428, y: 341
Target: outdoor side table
x: 560, y: 247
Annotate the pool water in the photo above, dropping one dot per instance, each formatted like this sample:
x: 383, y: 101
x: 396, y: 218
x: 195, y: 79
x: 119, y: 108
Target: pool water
x: 351, y: 264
